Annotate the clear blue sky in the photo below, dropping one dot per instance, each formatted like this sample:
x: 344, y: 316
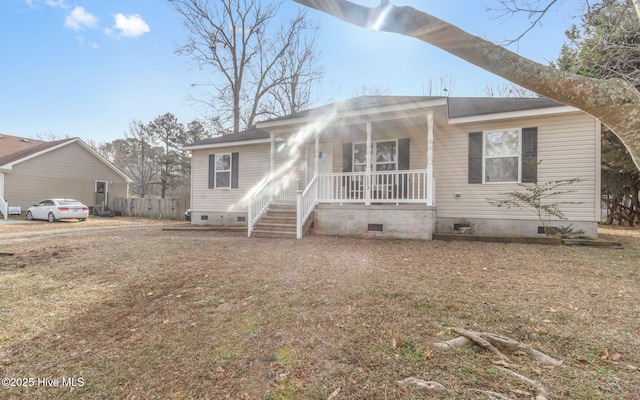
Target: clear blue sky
x: 87, y: 68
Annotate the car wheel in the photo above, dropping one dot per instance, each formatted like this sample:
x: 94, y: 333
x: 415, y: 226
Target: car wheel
x: 82, y: 219
x: 29, y: 215
x: 51, y: 217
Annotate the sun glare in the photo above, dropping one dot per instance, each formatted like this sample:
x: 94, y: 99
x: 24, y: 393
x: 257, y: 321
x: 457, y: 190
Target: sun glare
x: 382, y: 15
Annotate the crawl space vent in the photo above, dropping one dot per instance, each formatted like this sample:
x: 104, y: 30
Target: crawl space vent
x: 375, y: 228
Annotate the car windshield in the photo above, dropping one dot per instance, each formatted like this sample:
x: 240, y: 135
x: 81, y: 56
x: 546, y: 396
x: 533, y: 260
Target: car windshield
x: 69, y: 203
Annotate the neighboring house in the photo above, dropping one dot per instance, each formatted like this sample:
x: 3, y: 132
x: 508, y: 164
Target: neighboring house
x: 33, y: 170
x: 402, y: 167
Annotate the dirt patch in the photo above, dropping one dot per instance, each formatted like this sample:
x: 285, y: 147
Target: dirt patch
x: 150, y: 313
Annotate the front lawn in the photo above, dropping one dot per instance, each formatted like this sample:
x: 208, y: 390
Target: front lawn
x: 203, y: 315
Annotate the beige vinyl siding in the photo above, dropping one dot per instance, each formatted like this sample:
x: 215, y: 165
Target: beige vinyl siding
x: 567, y: 148
x: 67, y: 172
x: 254, y: 164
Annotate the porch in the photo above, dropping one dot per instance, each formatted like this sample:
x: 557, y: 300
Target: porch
x: 378, y: 204
x: 376, y: 180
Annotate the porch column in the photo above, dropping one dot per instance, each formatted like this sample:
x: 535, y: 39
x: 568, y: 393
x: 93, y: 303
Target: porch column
x: 367, y: 178
x: 430, y: 186
x: 316, y: 158
x: 272, y: 163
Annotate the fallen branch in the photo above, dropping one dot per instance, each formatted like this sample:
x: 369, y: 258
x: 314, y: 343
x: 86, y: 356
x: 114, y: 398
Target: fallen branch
x: 541, y: 392
x: 512, y: 346
x: 419, y: 384
x: 477, y: 339
x: 496, y: 344
x: 454, y: 343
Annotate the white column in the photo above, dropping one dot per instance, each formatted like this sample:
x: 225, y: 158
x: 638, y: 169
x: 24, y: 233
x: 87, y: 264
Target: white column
x: 317, y: 155
x: 367, y: 179
x: 272, y: 164
x: 272, y: 159
x: 430, y: 185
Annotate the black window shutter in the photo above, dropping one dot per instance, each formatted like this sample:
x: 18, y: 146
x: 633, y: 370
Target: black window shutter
x: 235, y: 160
x: 403, y: 154
x: 530, y: 155
x: 347, y: 157
x: 212, y: 171
x: 475, y: 157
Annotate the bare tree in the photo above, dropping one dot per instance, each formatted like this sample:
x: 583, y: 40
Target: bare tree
x: 136, y: 156
x: 371, y: 90
x: 237, y: 41
x: 502, y: 89
x: 443, y: 86
x: 614, y: 102
x: 300, y: 72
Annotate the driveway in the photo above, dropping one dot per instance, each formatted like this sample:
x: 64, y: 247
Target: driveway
x: 20, y: 229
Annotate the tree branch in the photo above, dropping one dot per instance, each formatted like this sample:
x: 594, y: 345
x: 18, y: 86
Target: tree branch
x: 613, y: 101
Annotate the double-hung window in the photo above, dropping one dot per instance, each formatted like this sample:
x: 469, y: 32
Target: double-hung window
x: 503, y: 155
x: 502, y: 152
x: 223, y: 171
x: 384, y: 157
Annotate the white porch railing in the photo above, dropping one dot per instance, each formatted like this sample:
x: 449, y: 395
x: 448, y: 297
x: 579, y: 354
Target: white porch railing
x: 306, y: 202
x: 392, y: 187
x: 4, y: 208
x: 409, y: 186
x: 282, y: 189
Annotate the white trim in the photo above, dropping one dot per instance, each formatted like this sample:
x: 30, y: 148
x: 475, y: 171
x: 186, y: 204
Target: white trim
x: 485, y: 157
x: 514, y: 114
x: 230, y: 144
x: 229, y: 171
x: 367, y: 111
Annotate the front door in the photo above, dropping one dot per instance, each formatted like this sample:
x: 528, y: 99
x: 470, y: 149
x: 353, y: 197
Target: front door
x: 325, y: 160
x: 101, y: 194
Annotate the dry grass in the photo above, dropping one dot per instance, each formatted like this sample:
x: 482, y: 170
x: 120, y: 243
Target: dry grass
x: 142, y: 313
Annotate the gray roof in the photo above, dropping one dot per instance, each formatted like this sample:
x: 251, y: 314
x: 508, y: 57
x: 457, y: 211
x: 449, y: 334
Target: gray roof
x: 249, y: 134
x: 458, y: 107
x: 472, y: 106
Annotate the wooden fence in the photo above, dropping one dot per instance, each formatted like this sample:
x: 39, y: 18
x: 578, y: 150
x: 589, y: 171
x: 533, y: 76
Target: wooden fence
x: 167, y: 208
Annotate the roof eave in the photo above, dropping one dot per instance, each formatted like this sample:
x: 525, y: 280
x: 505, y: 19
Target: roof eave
x: 388, y: 109
x: 514, y: 114
x: 229, y: 144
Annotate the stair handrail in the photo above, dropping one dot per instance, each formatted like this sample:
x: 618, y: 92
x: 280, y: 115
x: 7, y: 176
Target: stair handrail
x: 259, y: 200
x: 4, y: 208
x: 306, y: 201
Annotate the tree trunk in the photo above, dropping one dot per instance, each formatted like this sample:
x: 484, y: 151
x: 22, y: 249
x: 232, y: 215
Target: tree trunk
x: 613, y: 101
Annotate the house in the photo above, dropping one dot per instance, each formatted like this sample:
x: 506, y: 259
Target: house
x: 400, y: 167
x: 32, y: 170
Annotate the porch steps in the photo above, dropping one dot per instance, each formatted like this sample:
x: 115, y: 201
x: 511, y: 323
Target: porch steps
x: 279, y: 222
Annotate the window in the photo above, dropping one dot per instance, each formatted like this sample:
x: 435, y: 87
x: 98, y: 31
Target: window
x: 509, y: 155
x: 385, y: 156
x: 223, y: 171
x: 502, y: 156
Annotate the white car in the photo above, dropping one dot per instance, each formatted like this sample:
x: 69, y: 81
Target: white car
x: 56, y: 209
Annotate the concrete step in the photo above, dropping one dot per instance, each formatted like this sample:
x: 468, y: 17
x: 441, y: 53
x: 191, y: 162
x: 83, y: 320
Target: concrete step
x: 269, y: 219
x: 273, y: 235
x: 275, y: 227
